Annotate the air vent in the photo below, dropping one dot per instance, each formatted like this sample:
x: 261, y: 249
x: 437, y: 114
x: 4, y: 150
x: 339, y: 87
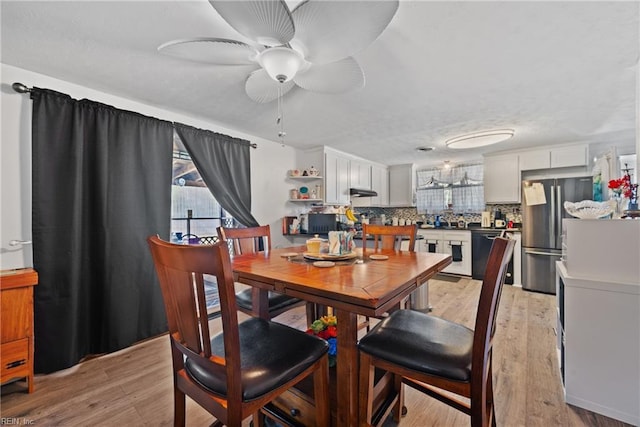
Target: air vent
x: 425, y: 149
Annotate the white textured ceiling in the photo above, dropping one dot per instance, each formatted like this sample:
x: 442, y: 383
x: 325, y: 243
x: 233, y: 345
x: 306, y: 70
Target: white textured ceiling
x: 556, y: 72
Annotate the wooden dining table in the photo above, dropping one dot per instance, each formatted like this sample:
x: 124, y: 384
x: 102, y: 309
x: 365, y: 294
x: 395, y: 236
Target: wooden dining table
x: 358, y: 286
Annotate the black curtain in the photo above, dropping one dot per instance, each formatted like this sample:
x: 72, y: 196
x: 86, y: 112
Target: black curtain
x: 101, y: 186
x: 224, y: 164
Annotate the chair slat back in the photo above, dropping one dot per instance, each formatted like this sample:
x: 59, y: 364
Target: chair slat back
x: 180, y: 270
x: 389, y: 236
x: 247, y: 240
x: 492, y: 284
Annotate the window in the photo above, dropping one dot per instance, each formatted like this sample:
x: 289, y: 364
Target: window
x: 459, y: 189
x: 195, y: 214
x: 194, y: 210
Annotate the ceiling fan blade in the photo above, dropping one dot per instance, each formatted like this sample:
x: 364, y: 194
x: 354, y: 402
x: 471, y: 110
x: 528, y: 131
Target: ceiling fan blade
x: 211, y: 51
x: 262, y: 89
x: 267, y: 22
x: 336, y: 77
x: 332, y: 30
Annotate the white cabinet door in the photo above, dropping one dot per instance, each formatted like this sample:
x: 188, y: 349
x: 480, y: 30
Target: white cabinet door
x: 360, y: 174
x: 401, y: 185
x: 380, y: 184
x: 575, y: 155
x: 432, y: 237
x: 502, y: 179
x: 535, y: 159
x: 561, y: 157
x: 336, y: 179
x: 463, y: 239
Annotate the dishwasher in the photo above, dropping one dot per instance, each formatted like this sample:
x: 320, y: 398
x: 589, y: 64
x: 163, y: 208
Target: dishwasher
x: 481, y: 241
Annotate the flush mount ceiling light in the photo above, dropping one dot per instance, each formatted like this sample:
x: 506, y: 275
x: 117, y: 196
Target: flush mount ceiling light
x: 479, y: 139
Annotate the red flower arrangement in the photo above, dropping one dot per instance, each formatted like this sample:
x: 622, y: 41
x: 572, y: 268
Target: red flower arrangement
x: 622, y: 186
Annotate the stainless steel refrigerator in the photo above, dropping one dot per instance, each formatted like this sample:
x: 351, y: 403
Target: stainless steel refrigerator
x: 542, y: 213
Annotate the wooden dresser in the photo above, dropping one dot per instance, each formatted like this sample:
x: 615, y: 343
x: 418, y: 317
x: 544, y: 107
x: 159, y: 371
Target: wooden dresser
x: 16, y: 304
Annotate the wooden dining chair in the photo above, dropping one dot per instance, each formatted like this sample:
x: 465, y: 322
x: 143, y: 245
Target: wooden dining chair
x: 238, y: 371
x: 389, y: 236
x: 436, y: 356
x: 252, y: 240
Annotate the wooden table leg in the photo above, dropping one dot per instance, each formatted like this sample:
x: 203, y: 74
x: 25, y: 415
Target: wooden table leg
x: 260, y: 302
x: 347, y: 369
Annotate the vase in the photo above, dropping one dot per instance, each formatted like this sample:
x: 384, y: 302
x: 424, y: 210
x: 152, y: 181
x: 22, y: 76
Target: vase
x: 633, y: 199
x: 619, y: 205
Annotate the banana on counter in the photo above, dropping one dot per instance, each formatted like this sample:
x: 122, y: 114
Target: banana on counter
x: 350, y: 216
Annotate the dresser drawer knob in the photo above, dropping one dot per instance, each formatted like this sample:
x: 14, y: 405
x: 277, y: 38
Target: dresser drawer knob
x: 295, y: 412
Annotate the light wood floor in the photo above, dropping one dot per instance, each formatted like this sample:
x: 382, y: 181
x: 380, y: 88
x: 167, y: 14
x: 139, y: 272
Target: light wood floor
x: 134, y: 386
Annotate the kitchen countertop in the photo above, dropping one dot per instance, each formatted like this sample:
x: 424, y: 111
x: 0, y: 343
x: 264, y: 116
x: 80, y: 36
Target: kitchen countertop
x: 480, y: 229
x: 326, y: 236
x: 418, y: 237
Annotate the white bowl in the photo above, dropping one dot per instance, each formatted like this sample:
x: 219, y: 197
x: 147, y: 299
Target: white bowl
x: 588, y: 209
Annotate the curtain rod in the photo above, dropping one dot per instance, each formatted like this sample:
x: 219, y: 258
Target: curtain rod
x: 21, y: 88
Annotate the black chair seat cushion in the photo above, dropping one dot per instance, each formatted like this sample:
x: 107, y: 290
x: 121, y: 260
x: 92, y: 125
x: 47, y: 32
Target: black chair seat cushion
x: 271, y: 354
x: 276, y: 300
x: 423, y: 343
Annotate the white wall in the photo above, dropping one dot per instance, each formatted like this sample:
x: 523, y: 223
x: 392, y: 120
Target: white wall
x: 269, y: 162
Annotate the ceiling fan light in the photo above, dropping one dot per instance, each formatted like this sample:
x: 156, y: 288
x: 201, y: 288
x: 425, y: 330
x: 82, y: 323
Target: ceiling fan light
x: 479, y: 139
x: 281, y: 63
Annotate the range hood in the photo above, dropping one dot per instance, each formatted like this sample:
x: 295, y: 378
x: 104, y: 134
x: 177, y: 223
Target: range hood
x: 359, y: 192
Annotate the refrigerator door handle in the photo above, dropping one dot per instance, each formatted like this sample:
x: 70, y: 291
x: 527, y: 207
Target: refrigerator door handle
x: 552, y: 216
x: 558, y: 218
x: 542, y: 253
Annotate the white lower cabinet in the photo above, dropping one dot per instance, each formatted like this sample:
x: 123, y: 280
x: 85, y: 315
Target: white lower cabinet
x: 598, y: 317
x: 456, y: 243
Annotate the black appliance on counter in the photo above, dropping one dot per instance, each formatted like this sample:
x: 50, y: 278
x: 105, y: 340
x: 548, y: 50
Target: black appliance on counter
x: 322, y: 223
x: 481, y: 241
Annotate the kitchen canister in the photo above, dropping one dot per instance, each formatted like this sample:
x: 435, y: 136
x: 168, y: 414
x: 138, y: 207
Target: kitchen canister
x: 293, y: 193
x: 314, y: 244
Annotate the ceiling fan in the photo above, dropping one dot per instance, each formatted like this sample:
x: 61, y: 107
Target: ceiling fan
x: 309, y: 47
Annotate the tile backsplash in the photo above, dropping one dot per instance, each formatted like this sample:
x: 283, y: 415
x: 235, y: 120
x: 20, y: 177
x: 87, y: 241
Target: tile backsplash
x: 510, y: 211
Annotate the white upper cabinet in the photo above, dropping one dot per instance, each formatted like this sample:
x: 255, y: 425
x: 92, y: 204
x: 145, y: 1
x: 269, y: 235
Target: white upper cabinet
x: 535, y: 159
x: 340, y: 172
x: 379, y: 184
x: 336, y: 179
x: 402, y: 185
x: 574, y: 155
x: 360, y: 174
x: 502, y: 179
x: 555, y: 157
